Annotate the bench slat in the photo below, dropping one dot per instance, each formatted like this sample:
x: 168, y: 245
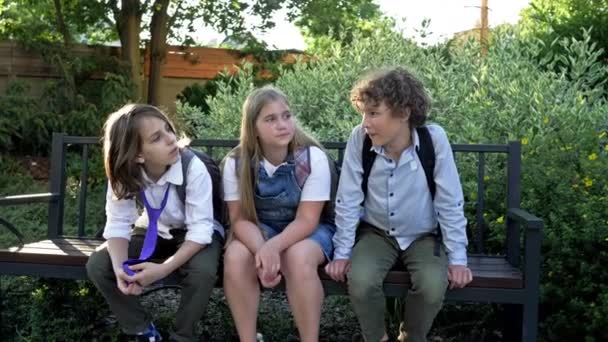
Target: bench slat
x: 488, y: 271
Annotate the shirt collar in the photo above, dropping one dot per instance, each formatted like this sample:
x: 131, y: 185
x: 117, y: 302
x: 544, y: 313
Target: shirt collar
x: 173, y: 175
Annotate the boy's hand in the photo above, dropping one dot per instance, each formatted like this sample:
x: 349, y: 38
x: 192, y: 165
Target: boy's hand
x: 125, y: 283
x: 338, y: 269
x: 459, y: 276
x: 148, y: 273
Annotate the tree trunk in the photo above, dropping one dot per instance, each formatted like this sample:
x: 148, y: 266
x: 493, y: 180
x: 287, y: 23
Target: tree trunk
x: 67, y: 39
x: 158, y: 49
x: 128, y: 24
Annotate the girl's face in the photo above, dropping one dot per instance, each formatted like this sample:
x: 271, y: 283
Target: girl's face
x: 275, y: 125
x: 158, y: 144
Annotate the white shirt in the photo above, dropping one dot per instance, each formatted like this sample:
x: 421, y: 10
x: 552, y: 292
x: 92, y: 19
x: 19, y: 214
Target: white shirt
x: 398, y: 199
x: 196, y: 215
x: 316, y: 188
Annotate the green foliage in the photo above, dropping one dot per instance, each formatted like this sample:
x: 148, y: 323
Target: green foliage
x: 558, y: 113
x: 336, y: 19
x: 557, y: 19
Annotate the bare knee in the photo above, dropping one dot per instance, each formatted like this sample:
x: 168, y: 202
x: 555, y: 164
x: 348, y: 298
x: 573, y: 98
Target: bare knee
x: 301, y: 261
x: 238, y: 261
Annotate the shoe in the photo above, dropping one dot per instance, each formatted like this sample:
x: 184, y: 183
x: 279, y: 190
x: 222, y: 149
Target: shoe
x: 151, y: 334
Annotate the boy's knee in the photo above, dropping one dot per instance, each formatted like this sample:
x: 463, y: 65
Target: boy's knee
x: 431, y: 286
x: 97, y: 264
x: 361, y: 285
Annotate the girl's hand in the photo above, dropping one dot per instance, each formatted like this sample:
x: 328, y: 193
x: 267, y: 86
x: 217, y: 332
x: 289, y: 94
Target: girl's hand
x: 269, y: 281
x: 148, y: 273
x: 268, y: 262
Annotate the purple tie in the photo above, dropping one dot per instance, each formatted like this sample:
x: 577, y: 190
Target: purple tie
x: 151, y: 234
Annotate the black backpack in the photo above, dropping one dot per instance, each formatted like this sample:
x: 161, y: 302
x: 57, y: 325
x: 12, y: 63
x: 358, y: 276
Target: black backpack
x: 426, y: 153
x: 220, y: 212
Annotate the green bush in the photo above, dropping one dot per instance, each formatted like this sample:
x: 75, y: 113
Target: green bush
x: 558, y: 113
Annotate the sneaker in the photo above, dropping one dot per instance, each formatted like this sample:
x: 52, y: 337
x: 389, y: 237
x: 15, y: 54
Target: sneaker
x: 259, y: 337
x: 151, y: 334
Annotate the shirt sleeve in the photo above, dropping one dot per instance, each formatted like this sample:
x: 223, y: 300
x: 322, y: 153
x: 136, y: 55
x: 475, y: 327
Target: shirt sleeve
x: 230, y: 181
x: 349, y: 196
x: 199, y: 204
x: 449, y: 200
x: 318, y: 184
x: 121, y: 214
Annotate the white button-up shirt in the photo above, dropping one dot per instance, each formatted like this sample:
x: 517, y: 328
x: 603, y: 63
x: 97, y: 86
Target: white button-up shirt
x: 195, y: 215
x: 398, y: 199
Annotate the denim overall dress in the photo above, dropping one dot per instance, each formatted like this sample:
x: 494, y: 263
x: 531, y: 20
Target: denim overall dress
x: 276, y: 202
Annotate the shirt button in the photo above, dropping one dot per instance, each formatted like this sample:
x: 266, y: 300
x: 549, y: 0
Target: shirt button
x: 339, y: 201
x: 392, y: 214
x: 393, y: 229
x: 391, y: 174
x: 391, y: 194
x: 390, y: 160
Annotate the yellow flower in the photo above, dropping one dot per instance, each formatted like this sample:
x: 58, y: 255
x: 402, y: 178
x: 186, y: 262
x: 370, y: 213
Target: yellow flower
x: 603, y: 134
x: 592, y: 156
x: 486, y: 178
x: 606, y: 148
x: 524, y: 141
x: 500, y: 219
x: 574, y: 186
x: 546, y: 120
x: 588, y: 181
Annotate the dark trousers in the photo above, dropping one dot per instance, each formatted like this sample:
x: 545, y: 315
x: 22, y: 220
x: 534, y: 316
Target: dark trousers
x: 374, y: 254
x: 196, y: 277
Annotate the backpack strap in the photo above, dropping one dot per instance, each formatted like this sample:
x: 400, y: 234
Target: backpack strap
x: 368, y: 156
x: 426, y: 154
x: 302, y: 165
x: 186, y: 155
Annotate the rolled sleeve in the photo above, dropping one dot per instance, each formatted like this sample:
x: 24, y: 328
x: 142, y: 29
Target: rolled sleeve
x: 449, y: 200
x: 199, y: 204
x: 349, y: 197
x: 120, y: 216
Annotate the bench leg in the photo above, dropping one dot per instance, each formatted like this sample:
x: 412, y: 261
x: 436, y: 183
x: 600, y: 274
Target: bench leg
x: 512, y: 323
x: 530, y: 322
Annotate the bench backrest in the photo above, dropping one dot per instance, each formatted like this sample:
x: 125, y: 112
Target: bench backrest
x: 471, y: 159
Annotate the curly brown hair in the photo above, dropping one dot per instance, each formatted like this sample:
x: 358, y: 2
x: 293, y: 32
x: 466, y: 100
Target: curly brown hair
x: 400, y: 91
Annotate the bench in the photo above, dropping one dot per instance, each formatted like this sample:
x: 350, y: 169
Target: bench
x: 511, y: 278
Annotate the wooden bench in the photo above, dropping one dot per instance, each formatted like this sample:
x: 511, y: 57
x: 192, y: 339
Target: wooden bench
x: 511, y: 278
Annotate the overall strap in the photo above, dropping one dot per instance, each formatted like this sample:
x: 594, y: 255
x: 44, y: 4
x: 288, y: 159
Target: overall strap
x: 302, y: 165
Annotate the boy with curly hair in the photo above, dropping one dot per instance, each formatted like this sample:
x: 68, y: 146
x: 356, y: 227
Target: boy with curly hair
x: 396, y: 216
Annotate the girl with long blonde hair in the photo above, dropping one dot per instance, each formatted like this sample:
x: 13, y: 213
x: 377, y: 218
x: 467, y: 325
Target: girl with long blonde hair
x: 279, y: 229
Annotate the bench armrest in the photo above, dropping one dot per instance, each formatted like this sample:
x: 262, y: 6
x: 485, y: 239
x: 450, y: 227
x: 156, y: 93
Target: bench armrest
x: 29, y: 198
x: 522, y: 216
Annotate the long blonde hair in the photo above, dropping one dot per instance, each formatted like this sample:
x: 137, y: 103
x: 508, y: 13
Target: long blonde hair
x: 122, y: 143
x: 249, y: 151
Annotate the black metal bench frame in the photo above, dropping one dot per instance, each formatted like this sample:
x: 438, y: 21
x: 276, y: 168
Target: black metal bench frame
x: 511, y: 279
